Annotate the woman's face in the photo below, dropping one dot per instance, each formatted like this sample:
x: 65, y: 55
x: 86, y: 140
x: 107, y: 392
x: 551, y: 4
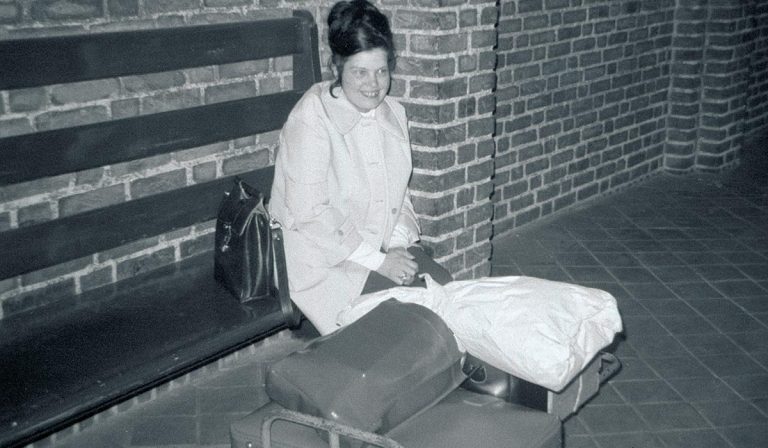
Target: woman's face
x: 365, y: 79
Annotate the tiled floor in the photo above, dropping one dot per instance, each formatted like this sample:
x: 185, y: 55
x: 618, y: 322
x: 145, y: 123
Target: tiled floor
x: 687, y: 259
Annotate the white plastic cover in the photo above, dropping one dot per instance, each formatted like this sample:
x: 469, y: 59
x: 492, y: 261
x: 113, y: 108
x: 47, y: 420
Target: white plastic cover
x: 542, y: 331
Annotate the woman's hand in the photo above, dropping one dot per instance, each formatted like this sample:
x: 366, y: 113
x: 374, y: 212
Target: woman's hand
x: 399, y: 266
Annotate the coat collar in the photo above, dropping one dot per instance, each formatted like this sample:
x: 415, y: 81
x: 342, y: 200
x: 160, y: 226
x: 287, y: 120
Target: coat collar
x: 345, y: 117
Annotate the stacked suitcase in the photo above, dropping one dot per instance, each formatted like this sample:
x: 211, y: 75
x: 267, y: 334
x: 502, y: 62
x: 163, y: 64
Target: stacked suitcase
x: 391, y: 379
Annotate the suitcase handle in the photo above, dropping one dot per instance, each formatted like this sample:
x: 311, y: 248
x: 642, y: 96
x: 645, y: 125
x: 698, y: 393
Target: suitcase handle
x: 609, y: 366
x: 333, y: 429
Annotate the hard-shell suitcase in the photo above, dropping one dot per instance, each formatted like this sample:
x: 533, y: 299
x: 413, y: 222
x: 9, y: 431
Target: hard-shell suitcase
x: 487, y: 379
x: 463, y: 419
x: 390, y: 377
x: 373, y: 374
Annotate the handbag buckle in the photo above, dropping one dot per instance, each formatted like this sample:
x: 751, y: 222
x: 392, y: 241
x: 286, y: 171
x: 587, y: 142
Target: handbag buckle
x: 227, y: 237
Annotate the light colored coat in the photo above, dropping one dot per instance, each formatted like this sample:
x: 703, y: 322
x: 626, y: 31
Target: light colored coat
x: 340, y: 179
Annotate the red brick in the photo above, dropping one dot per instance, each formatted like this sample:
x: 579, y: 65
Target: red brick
x: 245, y: 162
x: 67, y: 118
x: 54, y: 272
x: 145, y: 263
x: 128, y: 249
x: 465, y: 239
x: 231, y: 91
x: 442, y: 226
x: 170, y: 100
x: 436, y: 183
x: 90, y: 200
x: 467, y: 63
x: 125, y: 108
x: 10, y: 13
x: 34, y: 213
x: 434, y: 160
x: 244, y: 69
x: 468, y: 17
x: 421, y: 20
x: 197, y: 245
x: 481, y: 213
x: 96, y: 278
x: 153, y: 82
x: 23, y: 100
x: 442, y: 248
x: 159, y: 183
x: 84, y: 91
x: 433, y: 206
x: 435, y: 68
x: 123, y: 8
x: 429, y: 44
x: 204, y: 172
x: 45, y: 10
x: 161, y: 6
x: 225, y: 3
x: 480, y: 127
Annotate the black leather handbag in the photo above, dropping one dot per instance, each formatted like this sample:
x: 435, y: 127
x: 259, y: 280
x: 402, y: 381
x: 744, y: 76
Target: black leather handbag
x: 249, y: 259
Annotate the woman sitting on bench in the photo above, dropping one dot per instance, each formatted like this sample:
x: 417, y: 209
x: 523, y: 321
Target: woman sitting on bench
x: 341, y: 176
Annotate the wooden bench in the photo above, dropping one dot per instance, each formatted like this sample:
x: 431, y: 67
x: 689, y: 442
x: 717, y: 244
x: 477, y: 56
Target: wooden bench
x: 83, y: 353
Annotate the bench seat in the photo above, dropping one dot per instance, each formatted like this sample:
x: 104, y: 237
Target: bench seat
x: 89, y: 352
x: 67, y: 356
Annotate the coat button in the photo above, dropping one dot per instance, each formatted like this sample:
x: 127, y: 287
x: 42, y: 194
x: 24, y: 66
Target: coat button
x: 394, y: 211
x: 340, y: 232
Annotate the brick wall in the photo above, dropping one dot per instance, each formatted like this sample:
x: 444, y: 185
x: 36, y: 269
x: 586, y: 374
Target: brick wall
x: 518, y: 109
x: 757, y: 95
x: 445, y: 78
x: 582, y: 101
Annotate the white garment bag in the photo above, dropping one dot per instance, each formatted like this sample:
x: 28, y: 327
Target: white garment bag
x: 542, y: 331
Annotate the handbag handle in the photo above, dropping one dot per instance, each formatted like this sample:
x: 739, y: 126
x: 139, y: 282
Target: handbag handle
x: 291, y: 314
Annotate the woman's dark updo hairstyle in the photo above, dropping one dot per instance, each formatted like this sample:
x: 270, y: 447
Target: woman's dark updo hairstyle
x: 355, y: 26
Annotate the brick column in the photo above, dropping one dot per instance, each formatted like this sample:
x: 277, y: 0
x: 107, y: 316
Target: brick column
x: 445, y: 79
x: 724, y: 85
x: 757, y: 94
x: 710, y: 81
x: 685, y: 94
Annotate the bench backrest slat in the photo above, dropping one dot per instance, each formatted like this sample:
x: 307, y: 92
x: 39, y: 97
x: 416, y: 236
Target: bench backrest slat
x: 80, y: 235
x: 306, y: 66
x: 64, y: 59
x: 34, y: 156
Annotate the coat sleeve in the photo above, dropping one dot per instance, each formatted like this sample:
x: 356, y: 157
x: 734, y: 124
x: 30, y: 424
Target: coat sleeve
x: 305, y: 156
x: 406, y: 231
x: 407, y: 225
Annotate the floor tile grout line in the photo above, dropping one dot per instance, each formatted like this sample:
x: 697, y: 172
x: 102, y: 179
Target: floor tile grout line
x: 621, y: 283
x: 674, y: 336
